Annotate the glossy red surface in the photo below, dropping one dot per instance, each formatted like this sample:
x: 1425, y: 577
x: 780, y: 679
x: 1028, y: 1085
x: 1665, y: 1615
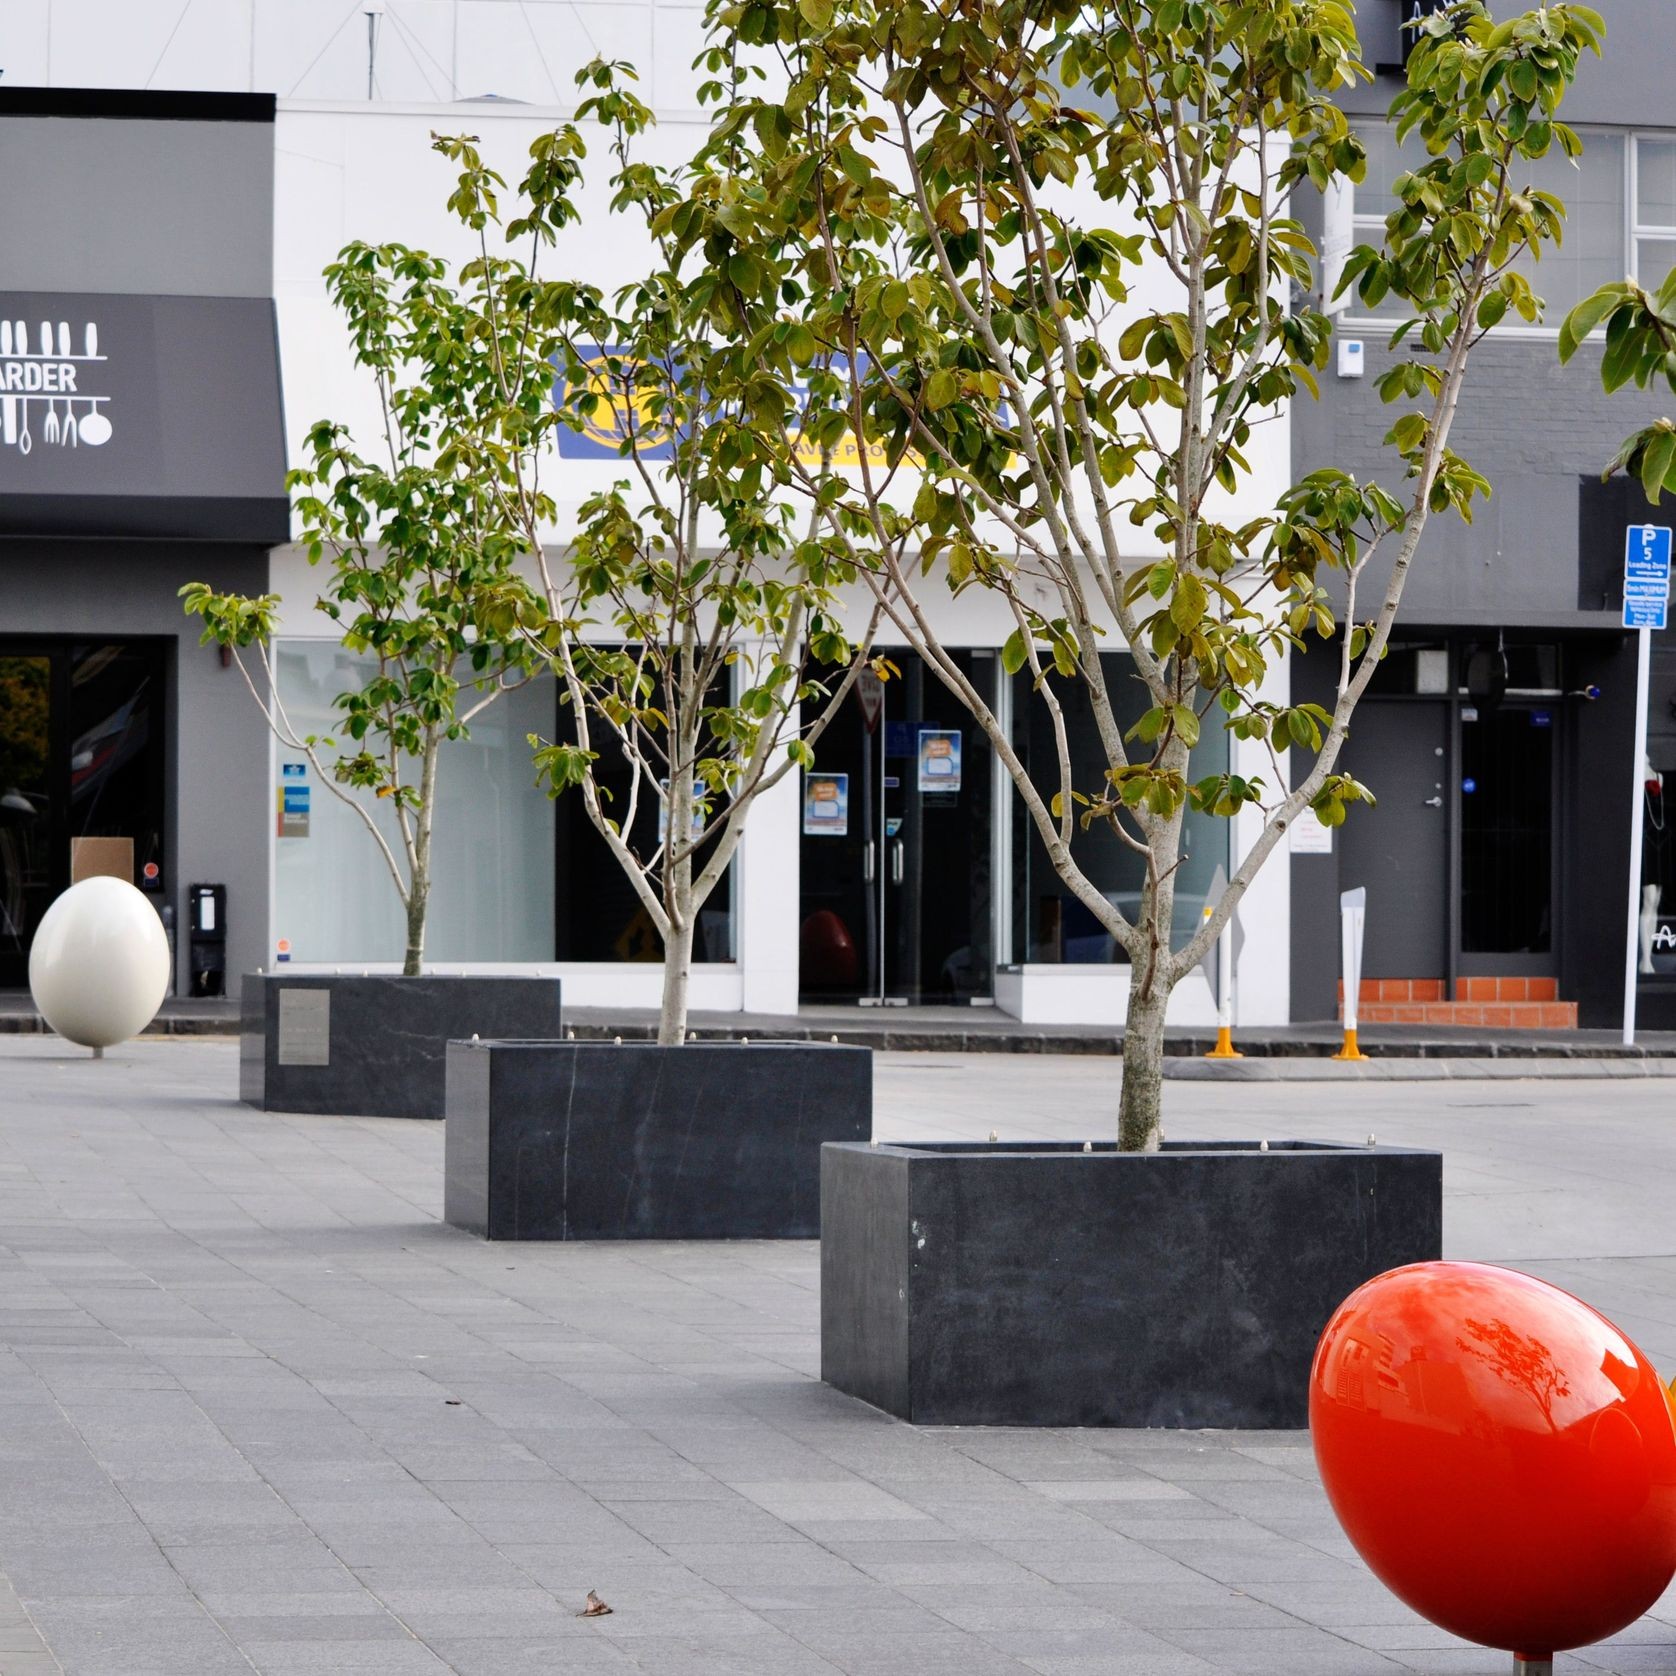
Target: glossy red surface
x: 1499, y: 1453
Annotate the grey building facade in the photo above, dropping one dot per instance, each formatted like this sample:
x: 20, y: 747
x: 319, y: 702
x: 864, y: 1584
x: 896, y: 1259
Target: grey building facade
x: 141, y: 446
x: 1498, y: 735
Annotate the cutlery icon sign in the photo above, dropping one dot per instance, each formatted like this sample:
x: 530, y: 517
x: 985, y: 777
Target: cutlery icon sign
x: 24, y: 381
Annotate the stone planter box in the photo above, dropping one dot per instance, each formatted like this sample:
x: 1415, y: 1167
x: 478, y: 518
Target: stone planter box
x: 373, y: 1046
x: 596, y: 1140
x: 1039, y: 1285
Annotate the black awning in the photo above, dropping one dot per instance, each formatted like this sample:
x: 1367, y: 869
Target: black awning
x: 141, y: 416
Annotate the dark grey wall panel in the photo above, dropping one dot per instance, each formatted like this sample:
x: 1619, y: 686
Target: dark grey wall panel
x: 1594, y: 831
x: 171, y: 207
x: 1533, y: 428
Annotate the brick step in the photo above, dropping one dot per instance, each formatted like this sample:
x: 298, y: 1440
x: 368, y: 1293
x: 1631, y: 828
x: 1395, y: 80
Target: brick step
x: 1488, y: 1015
x: 1466, y: 989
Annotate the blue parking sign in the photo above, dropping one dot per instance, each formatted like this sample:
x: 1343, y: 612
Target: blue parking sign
x: 1646, y: 576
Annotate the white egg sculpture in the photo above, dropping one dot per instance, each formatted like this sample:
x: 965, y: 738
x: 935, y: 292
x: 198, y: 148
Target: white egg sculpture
x: 99, y: 965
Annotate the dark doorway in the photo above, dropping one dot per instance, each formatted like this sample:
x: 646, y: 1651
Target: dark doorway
x: 1507, y: 838
x: 1399, y: 849
x: 82, y: 755
x: 896, y: 856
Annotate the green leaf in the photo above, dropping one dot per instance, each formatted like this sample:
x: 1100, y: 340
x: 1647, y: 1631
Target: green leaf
x: 1187, y: 609
x: 1587, y: 315
x: 1148, y: 728
x: 744, y: 272
x: 1015, y: 653
x: 940, y: 389
x: 1656, y: 461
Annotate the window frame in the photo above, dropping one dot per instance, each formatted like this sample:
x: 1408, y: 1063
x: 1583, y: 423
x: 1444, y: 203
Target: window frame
x: 1639, y: 230
x: 1365, y: 229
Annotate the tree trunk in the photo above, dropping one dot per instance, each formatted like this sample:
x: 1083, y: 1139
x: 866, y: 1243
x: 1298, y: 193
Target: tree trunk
x: 418, y: 901
x: 1140, y: 1110
x: 677, y: 971
x: 419, y: 886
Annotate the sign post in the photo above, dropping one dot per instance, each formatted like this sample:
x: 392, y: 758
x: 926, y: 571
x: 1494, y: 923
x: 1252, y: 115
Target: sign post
x: 1218, y: 967
x: 1646, y: 602
x: 1352, y: 909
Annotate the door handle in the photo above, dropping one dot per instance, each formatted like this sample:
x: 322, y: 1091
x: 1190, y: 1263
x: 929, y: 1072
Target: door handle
x: 896, y: 862
x: 1434, y: 802
x: 867, y: 862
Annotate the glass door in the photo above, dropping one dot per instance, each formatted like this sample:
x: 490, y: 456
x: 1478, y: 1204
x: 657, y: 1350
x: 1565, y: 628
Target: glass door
x: 897, y: 845
x: 82, y: 755
x: 29, y: 812
x: 1507, y: 851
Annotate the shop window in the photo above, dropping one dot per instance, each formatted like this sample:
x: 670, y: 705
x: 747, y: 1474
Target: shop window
x: 599, y: 917
x: 1658, y: 821
x: 492, y: 848
x: 1050, y: 924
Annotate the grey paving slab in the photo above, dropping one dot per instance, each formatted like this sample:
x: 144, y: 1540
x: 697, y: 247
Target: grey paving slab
x: 261, y: 1411
x: 23, y: 1651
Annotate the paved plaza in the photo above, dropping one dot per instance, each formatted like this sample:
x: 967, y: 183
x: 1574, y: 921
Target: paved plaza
x: 261, y: 1411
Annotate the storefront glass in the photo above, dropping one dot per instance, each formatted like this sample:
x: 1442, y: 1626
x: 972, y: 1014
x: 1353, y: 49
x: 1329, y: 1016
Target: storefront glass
x: 82, y: 741
x: 1050, y: 925
x: 493, y: 854
x: 600, y: 916
x: 897, y: 850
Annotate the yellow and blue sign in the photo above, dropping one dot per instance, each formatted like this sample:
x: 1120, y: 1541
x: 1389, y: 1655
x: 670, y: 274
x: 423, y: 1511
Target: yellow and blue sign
x: 625, y: 422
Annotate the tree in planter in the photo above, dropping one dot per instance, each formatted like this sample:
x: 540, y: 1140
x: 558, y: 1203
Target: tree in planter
x: 947, y: 208
x: 684, y: 619
x: 413, y: 547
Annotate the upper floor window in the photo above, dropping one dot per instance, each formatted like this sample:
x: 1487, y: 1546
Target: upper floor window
x: 1655, y: 210
x: 1602, y: 240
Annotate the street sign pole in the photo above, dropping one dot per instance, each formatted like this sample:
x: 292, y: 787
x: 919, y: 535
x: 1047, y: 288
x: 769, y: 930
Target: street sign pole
x: 1646, y: 602
x: 1643, y: 662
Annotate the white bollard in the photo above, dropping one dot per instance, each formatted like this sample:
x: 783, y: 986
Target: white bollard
x: 1352, y: 908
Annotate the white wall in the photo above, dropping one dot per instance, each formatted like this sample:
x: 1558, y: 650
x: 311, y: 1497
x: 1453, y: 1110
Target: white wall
x: 348, y: 170
x: 436, y: 50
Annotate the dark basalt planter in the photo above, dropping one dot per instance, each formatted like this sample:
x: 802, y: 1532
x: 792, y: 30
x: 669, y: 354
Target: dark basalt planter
x: 1039, y: 1285
x: 373, y: 1046
x: 596, y: 1140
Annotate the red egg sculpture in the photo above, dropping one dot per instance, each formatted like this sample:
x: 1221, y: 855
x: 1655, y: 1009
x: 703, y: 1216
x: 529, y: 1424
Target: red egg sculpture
x: 1499, y: 1453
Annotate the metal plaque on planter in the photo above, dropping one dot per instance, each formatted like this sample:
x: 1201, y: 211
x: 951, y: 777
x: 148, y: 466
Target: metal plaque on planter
x: 305, y: 1027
